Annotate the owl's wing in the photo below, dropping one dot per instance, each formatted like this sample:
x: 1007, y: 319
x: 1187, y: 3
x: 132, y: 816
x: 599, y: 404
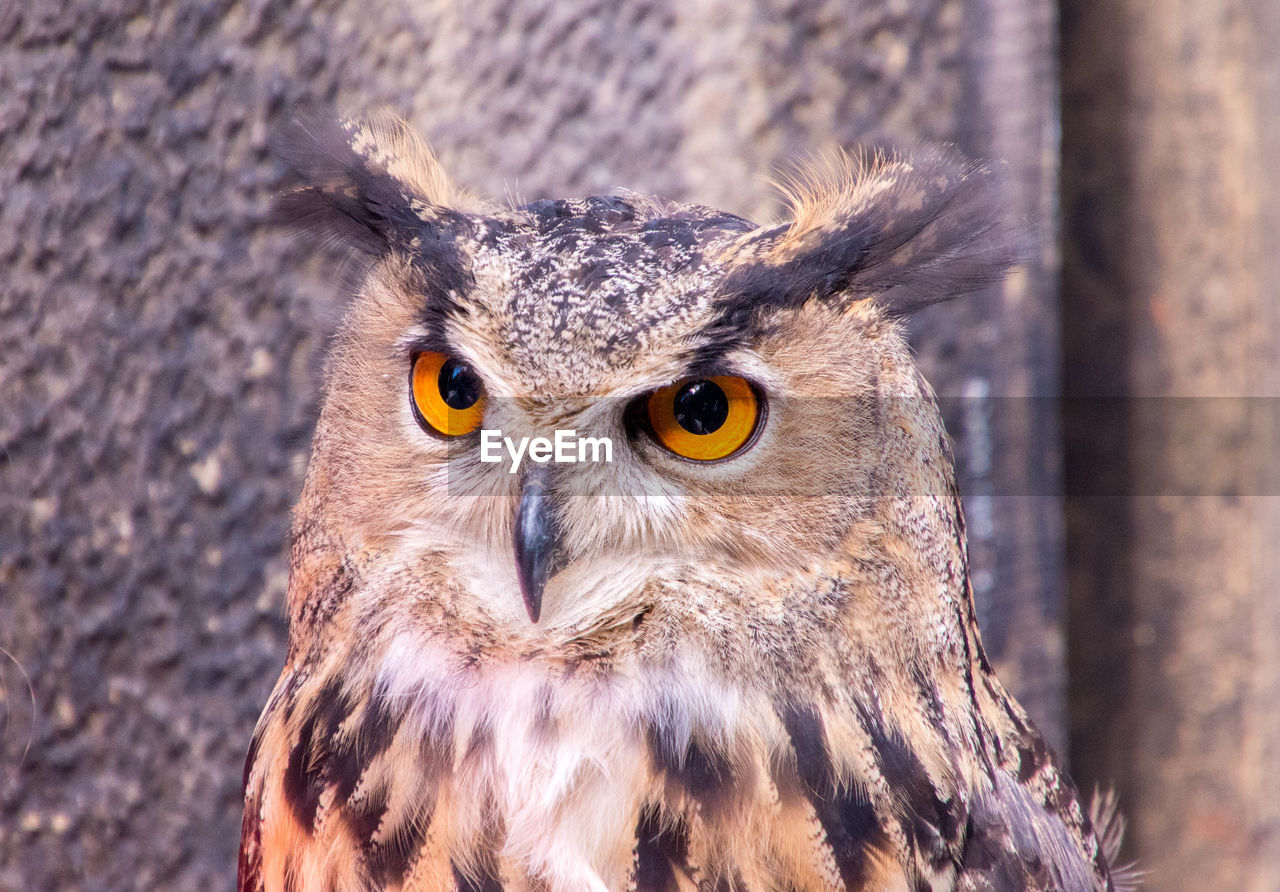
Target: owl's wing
x: 992, y: 861
x: 1013, y: 843
x: 249, y: 872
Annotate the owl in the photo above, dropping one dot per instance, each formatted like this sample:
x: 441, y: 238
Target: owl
x: 630, y: 556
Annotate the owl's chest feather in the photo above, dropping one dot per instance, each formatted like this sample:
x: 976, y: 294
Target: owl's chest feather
x: 445, y: 771
x: 520, y: 776
x: 558, y: 768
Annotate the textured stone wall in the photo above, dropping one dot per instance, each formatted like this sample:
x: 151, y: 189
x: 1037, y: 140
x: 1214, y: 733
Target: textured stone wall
x: 160, y: 345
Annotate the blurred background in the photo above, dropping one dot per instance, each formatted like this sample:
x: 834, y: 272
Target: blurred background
x: 161, y: 345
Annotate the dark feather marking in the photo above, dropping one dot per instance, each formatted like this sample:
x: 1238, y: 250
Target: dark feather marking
x: 305, y: 775
x: 705, y: 772
x: 486, y: 880
x: 934, y: 824
x: 364, y: 815
x: 935, y: 709
x: 250, y: 758
x: 660, y: 852
x: 249, y: 865
x: 436, y: 748
x: 388, y: 860
x: 349, y: 759
x: 846, y: 814
x: 300, y: 787
x: 813, y: 762
x: 319, y: 759
x: 1033, y: 755
x: 480, y: 746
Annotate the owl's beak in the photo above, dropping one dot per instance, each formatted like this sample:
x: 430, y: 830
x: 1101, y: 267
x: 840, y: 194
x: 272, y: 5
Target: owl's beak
x: 537, y: 539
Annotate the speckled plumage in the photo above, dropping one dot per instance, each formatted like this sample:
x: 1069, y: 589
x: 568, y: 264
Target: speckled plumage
x: 762, y: 673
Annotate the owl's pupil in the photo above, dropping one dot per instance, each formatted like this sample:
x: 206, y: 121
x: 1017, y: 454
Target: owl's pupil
x: 701, y: 407
x: 459, y: 386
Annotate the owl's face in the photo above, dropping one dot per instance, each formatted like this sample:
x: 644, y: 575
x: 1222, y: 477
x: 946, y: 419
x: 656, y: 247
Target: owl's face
x: 739, y: 652
x: 752, y: 383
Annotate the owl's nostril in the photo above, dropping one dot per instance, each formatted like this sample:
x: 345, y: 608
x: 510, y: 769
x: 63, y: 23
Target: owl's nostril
x: 536, y: 538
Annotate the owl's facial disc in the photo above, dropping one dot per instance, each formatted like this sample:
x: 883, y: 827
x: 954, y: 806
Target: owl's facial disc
x: 539, y: 554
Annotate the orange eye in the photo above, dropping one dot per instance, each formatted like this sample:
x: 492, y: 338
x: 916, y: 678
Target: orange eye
x: 704, y: 418
x: 448, y: 396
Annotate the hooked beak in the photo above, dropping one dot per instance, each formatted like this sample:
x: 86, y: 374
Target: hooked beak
x: 537, y: 539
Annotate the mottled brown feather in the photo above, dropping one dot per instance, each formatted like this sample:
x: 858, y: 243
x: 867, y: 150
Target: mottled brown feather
x: 769, y: 678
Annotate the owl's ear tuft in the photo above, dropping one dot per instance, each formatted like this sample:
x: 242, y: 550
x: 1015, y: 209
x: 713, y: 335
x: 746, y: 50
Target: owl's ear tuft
x: 366, y: 181
x: 908, y: 232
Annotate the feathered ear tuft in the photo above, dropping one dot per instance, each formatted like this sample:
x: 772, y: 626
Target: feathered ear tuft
x: 907, y: 231
x: 368, y: 181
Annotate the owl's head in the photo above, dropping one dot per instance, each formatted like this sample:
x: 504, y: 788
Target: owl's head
x: 550, y: 414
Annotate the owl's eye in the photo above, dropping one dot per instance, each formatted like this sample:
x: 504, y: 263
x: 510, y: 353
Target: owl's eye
x: 448, y: 396
x: 704, y: 419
